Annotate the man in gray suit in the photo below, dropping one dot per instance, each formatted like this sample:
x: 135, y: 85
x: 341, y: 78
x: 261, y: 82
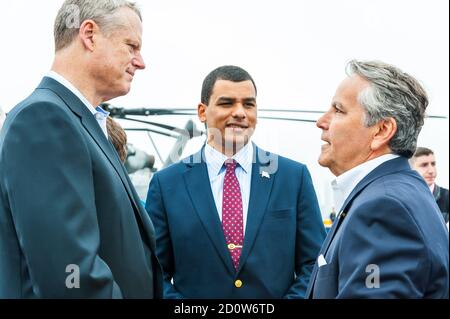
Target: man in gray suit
x: 71, y: 223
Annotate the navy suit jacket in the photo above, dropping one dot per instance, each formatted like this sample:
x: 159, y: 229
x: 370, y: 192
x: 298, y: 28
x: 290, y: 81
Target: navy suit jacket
x: 390, y: 241
x: 67, y: 202
x: 283, y: 234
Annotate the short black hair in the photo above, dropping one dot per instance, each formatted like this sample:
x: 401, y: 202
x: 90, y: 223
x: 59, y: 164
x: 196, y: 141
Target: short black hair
x: 227, y: 73
x: 422, y: 151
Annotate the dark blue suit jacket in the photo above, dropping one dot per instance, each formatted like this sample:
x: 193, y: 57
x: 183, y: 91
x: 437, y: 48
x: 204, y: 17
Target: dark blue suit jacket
x: 390, y: 226
x: 67, y: 200
x: 283, y: 235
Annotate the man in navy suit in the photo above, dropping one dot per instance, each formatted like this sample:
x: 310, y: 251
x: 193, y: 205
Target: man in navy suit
x: 234, y: 221
x: 389, y: 240
x: 71, y: 224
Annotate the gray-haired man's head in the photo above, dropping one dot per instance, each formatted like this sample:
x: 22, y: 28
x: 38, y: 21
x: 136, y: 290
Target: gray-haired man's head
x: 74, y: 12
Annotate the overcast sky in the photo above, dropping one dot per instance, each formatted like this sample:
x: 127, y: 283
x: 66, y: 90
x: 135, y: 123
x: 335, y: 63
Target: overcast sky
x: 296, y: 51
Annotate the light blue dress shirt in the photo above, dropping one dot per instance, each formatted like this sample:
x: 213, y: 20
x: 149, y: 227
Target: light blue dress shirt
x: 216, y: 171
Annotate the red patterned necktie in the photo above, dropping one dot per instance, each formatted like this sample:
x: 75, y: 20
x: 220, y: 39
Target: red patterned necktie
x: 232, y: 216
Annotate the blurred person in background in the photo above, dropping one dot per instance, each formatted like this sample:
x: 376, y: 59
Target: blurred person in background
x: 424, y: 162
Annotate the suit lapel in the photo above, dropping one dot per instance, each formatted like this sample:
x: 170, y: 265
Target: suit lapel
x: 394, y: 165
x: 261, y: 187
x: 323, y: 251
x: 199, y: 189
x: 91, y: 125
x: 385, y: 168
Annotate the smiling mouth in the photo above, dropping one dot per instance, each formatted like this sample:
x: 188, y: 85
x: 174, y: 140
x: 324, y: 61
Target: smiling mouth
x: 237, y: 126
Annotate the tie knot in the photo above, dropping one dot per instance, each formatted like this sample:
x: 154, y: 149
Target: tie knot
x: 230, y: 165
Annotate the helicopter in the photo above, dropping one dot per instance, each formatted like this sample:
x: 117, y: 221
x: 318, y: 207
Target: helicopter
x: 140, y: 165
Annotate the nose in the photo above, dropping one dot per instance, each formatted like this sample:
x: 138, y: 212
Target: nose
x: 323, y: 122
x: 138, y: 61
x: 431, y: 169
x: 239, y: 111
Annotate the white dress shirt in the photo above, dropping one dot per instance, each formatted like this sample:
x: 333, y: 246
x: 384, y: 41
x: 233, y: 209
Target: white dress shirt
x: 216, y: 170
x: 99, y: 114
x: 432, y: 188
x: 344, y: 184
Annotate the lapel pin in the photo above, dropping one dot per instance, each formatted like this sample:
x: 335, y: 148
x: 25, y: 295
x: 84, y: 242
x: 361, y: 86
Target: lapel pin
x: 265, y: 174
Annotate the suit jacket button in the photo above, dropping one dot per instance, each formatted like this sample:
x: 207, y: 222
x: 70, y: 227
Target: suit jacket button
x: 238, y: 284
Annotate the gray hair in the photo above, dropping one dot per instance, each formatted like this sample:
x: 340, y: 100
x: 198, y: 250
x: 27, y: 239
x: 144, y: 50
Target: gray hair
x: 392, y: 94
x: 74, y: 12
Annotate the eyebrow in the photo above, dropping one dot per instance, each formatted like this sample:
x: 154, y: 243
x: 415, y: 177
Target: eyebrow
x: 250, y: 99
x: 230, y: 99
x: 337, y: 104
x: 426, y: 163
x: 223, y: 99
x: 134, y: 41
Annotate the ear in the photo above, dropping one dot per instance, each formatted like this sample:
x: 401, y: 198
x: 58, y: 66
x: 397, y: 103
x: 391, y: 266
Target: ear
x: 88, y: 30
x: 384, y: 131
x: 201, y: 111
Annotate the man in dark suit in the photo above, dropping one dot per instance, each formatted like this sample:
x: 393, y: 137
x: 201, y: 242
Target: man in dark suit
x: 234, y: 221
x: 424, y: 162
x: 389, y: 240
x: 71, y: 224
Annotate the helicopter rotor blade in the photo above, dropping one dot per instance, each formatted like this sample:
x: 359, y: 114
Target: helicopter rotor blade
x: 436, y: 116
x: 163, y: 126
x: 151, y: 131
x: 121, y: 112
x: 291, y: 111
x: 286, y: 119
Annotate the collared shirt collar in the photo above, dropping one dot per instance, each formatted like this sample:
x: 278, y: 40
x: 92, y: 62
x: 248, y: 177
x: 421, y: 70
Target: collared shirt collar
x: 99, y: 114
x: 215, y: 159
x: 57, y: 77
x: 344, y: 184
x: 432, y: 188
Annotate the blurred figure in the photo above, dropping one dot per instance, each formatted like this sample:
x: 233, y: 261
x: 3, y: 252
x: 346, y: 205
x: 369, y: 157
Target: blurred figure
x: 388, y: 240
x: 137, y: 163
x: 71, y: 224
x: 328, y: 221
x: 424, y: 162
x: 138, y: 160
x: 118, y: 137
x: 234, y: 221
x: 2, y: 117
x: 332, y: 215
